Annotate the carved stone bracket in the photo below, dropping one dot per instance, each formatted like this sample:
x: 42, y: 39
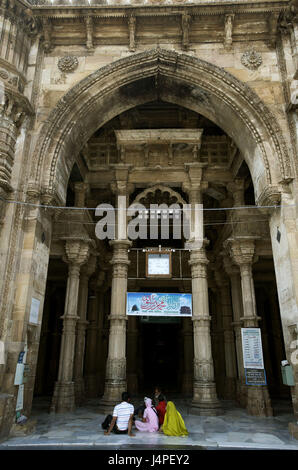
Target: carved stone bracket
x: 47, y: 34
x: 132, y: 33
x: 185, y: 25
x: 272, y: 28
x: 89, y: 33
x: 228, y: 40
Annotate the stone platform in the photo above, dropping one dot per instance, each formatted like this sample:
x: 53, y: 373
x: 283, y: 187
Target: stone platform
x: 233, y: 429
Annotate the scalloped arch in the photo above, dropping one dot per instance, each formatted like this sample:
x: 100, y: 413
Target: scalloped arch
x: 163, y: 189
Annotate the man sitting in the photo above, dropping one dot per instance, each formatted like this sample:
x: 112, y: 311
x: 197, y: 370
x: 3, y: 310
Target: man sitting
x: 121, y: 422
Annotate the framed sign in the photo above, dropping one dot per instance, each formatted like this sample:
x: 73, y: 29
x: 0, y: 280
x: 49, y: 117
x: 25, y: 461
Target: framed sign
x: 20, y: 398
x: 158, y: 264
x: 157, y: 304
x: 252, y: 348
x: 255, y: 377
x: 34, y: 311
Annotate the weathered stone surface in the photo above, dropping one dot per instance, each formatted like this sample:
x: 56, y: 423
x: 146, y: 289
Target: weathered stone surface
x: 85, y: 94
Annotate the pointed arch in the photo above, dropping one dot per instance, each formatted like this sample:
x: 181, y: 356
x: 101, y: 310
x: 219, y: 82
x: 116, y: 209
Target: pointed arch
x: 173, y: 77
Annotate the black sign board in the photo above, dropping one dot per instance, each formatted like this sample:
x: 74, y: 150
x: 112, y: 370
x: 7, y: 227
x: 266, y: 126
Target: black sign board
x: 255, y: 377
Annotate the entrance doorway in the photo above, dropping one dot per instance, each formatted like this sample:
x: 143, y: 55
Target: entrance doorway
x: 161, y: 356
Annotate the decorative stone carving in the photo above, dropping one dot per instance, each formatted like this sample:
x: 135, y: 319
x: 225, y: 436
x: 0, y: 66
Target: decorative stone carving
x: 132, y: 33
x: 68, y: 63
x: 4, y: 75
x: 251, y: 59
x: 196, y: 69
x: 229, y: 30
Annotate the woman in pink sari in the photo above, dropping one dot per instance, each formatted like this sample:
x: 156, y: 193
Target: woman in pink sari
x: 149, y: 422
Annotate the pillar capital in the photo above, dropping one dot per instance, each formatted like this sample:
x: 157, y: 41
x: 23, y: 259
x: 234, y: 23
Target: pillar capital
x: 241, y: 250
x: 77, y: 251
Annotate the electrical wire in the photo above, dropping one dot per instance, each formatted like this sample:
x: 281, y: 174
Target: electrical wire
x: 31, y: 204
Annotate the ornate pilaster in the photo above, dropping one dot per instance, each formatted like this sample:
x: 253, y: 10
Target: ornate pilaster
x: 87, y: 270
x: 77, y: 253
x: 242, y: 251
x: 13, y: 110
x: 205, y: 400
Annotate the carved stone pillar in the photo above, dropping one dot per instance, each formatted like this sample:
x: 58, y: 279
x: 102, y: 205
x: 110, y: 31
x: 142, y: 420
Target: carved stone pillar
x: 234, y: 274
x: 229, y: 340
x: 115, y: 381
x: 205, y: 401
x: 77, y: 252
x: 87, y: 270
x: 242, y: 251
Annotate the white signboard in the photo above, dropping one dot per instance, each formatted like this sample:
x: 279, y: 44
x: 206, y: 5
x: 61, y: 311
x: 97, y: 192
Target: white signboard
x: 158, y: 264
x: 20, y: 398
x: 34, y: 311
x: 2, y: 353
x: 252, y: 348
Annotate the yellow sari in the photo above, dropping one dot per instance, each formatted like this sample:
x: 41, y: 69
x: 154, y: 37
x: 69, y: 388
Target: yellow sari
x: 173, y: 423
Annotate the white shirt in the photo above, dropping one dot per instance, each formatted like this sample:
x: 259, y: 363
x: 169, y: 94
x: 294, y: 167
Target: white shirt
x: 123, y: 412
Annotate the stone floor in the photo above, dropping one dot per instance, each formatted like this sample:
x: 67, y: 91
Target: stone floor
x: 233, y: 429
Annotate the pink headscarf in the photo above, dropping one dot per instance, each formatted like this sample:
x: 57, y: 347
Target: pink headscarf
x: 148, y: 403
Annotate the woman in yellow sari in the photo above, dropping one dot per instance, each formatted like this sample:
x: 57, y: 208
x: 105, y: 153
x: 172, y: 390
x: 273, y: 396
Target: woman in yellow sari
x: 173, y: 423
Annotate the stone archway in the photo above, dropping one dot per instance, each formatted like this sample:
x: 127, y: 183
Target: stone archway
x: 172, y: 77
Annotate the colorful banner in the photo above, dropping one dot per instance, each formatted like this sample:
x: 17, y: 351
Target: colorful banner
x: 156, y: 304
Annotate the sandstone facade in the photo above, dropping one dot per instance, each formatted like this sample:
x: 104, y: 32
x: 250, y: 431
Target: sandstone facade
x: 83, y: 86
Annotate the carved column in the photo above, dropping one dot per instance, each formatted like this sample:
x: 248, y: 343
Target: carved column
x: 87, y: 270
x: 77, y: 252
x: 115, y: 381
x: 205, y: 400
x: 229, y: 340
x: 234, y: 274
x: 242, y: 251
